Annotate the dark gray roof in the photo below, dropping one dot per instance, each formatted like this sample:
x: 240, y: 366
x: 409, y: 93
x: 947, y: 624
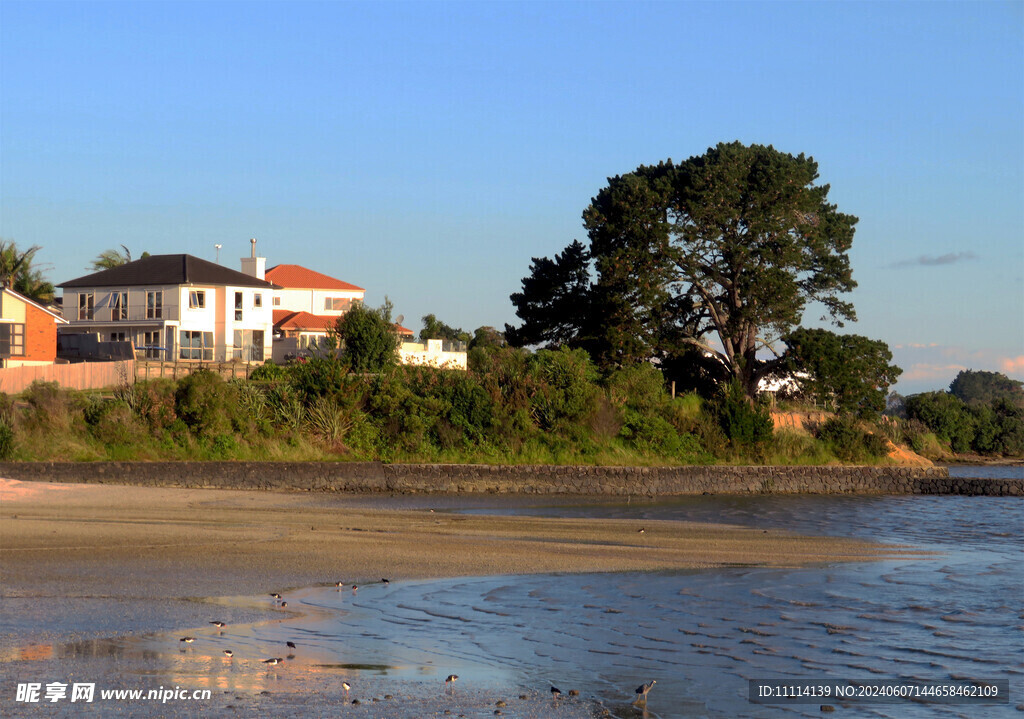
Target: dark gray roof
x: 167, y: 270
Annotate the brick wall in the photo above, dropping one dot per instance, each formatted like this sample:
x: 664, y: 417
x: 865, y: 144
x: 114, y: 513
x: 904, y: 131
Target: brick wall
x: 40, y: 335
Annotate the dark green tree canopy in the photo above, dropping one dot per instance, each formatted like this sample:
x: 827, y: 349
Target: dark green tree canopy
x: 849, y: 372
x: 732, y: 244
x: 435, y: 329
x: 369, y: 338
x: 555, y: 301
x: 981, y: 387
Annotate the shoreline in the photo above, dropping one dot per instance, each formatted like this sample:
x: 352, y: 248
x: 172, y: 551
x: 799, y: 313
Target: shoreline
x: 104, y: 542
x: 96, y: 575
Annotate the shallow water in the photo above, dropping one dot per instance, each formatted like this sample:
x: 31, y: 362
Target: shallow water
x: 700, y: 634
x: 703, y: 634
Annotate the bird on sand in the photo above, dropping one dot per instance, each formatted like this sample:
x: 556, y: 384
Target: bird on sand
x: 555, y: 692
x: 290, y: 645
x: 273, y: 660
x: 219, y: 625
x: 450, y: 681
x: 187, y: 640
x: 275, y: 595
x: 346, y: 686
x: 228, y: 653
x: 643, y: 689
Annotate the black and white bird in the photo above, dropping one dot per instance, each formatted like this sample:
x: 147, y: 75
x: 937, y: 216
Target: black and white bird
x: 643, y: 689
x: 385, y: 581
x: 290, y: 645
x: 228, y: 653
x: 275, y: 595
x: 346, y: 686
x: 219, y: 625
x: 273, y: 661
x: 187, y: 640
x: 555, y: 692
x: 450, y: 681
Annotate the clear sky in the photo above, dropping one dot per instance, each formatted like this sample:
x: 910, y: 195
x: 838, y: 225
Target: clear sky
x: 426, y: 151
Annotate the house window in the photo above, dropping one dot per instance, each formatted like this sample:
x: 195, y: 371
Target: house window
x: 277, y: 302
x: 337, y: 304
x: 154, y: 305
x: 197, y: 299
x: 151, y: 345
x: 117, y: 337
x: 238, y: 307
x: 248, y: 345
x: 118, y: 306
x: 12, y: 339
x: 257, y: 299
x: 85, y: 305
x: 196, y: 345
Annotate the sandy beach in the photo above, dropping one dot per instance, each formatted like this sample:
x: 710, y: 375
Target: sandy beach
x: 86, y: 562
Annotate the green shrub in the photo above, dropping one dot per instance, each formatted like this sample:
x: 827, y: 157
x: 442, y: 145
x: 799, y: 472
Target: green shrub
x: 6, y: 437
x: 564, y: 386
x: 849, y: 442
x: 640, y: 386
x: 744, y: 424
x: 269, y: 372
x: 206, y: 403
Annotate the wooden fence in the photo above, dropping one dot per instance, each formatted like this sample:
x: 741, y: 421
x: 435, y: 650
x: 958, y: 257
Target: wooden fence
x: 99, y: 375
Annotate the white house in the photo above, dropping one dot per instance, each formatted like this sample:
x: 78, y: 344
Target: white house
x: 176, y: 307
x: 306, y: 305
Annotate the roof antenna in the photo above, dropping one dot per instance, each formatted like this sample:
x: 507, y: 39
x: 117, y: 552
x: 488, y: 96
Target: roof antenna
x: 218, y: 253
x: 253, y: 241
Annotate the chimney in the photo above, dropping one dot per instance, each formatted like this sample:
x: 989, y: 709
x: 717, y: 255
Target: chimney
x: 254, y: 266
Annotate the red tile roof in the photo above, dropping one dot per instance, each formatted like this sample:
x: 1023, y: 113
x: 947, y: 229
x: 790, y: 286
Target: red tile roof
x: 299, y: 277
x: 288, y: 320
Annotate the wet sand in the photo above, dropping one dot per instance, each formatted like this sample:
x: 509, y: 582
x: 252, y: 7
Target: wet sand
x: 84, y: 562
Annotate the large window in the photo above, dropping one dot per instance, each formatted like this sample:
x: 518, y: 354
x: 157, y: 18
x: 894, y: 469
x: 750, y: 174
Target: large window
x: 154, y: 305
x: 197, y: 299
x: 85, y: 305
x: 248, y: 345
x: 196, y: 345
x: 238, y: 307
x: 118, y: 306
x: 151, y: 345
x: 337, y: 304
x: 12, y: 339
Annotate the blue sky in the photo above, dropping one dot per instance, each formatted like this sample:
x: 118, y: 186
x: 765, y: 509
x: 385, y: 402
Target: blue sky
x: 426, y: 151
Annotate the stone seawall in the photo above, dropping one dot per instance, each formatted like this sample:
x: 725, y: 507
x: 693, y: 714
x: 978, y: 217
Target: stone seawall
x: 515, y: 479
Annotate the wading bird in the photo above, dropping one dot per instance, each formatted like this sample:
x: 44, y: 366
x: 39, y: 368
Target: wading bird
x: 643, y: 689
x: 228, y: 653
x: 450, y: 681
x: 555, y: 692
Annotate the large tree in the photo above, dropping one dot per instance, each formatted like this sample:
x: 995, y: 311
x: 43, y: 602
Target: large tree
x: 723, y: 251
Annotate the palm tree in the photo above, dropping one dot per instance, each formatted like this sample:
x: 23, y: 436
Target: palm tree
x: 16, y: 272
x: 109, y: 259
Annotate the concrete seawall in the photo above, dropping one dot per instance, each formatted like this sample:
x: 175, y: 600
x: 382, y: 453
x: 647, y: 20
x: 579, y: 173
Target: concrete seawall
x: 515, y: 479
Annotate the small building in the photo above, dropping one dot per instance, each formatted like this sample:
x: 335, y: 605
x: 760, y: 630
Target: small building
x: 442, y: 354
x: 176, y: 307
x: 28, y: 331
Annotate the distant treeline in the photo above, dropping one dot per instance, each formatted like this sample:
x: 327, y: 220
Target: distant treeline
x: 982, y: 413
